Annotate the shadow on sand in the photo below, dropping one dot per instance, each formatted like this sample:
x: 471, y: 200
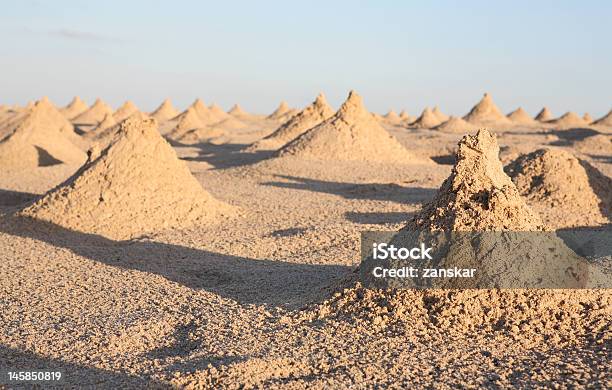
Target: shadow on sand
x: 225, y: 155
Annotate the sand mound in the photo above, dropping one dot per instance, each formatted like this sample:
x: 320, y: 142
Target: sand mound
x: 442, y: 117
x: 587, y: 118
x: 202, y: 134
x: 352, y: 133
x: 74, y: 108
x: 40, y: 138
x: 521, y: 116
x: 568, y: 120
x: 406, y: 118
x: 236, y: 110
x: 455, y: 125
x: 109, y: 121
x: 427, y: 120
x: 217, y: 112
x: 544, y: 115
x: 486, y: 113
x: 188, y: 120
x: 605, y: 120
x: 134, y: 186
x: 203, y: 112
x: 565, y: 191
x: 392, y: 117
x: 282, y: 113
x: 309, y: 117
x: 164, y: 112
x: 125, y: 111
x: 600, y: 144
x: 94, y: 115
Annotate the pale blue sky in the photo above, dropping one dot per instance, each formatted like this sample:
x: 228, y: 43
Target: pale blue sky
x: 397, y: 54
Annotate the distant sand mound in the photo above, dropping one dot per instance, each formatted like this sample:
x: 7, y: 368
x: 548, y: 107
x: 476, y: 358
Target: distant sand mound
x: 352, y: 133
x: 107, y: 122
x: 218, y: 113
x: 566, y: 191
x: 94, y: 115
x: 40, y: 138
x: 427, y: 120
x: 544, y: 115
x: 134, y: 186
x: 201, y: 134
x: 406, y: 118
x: 309, y: 117
x: 203, y: 112
x: 74, y: 108
x: 164, y: 112
x: 186, y: 121
x: 587, y: 118
x: 521, y: 116
x: 124, y: 112
x: 568, y: 120
x: 605, y: 120
x: 392, y: 117
x: 442, y: 117
x: 456, y: 125
x: 486, y: 113
x: 282, y: 113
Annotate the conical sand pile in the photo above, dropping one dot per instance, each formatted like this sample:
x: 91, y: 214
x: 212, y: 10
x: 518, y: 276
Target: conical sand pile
x: 478, y: 195
x: 568, y: 120
x: 352, y: 133
x: 427, y: 120
x: 94, y: 115
x: 164, y: 112
x: 238, y: 112
x: 521, y: 116
x: 188, y: 120
x: 565, y: 191
x: 442, y: 117
x: 486, y: 113
x: 392, y: 117
x: 544, y: 115
x: 406, y: 118
x: 456, y: 125
x: 40, y: 138
x: 203, y: 112
x: 134, y: 186
x: 309, y: 117
x: 74, y: 108
x: 217, y: 112
x: 125, y: 111
x: 282, y: 113
x: 587, y: 118
x: 606, y: 120
x: 108, y: 122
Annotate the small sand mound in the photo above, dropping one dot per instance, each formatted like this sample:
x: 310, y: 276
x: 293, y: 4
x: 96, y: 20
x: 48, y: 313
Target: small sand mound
x: 456, y: 125
x: 406, y: 118
x: 352, y: 133
x: 125, y: 111
x: 164, y: 112
x: 134, y: 186
x: 309, y: 117
x: 544, y: 115
x: 605, y: 120
x: 40, y: 138
x: 565, y: 191
x: 203, y: 112
x: 569, y: 120
x: 427, y: 120
x: 217, y: 112
x: 392, y: 117
x: 188, y: 120
x: 282, y: 113
x: 237, y: 111
x: 109, y: 121
x: 94, y: 115
x: 486, y: 113
x: 521, y: 116
x: 478, y: 195
x: 587, y: 118
x: 600, y: 144
x: 442, y: 117
x: 74, y: 108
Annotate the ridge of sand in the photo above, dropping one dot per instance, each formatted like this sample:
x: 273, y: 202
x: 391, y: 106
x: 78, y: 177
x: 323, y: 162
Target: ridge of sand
x: 521, y: 116
x: 605, y: 120
x: 442, y: 117
x: 569, y: 119
x: 486, y: 112
x: 74, y: 108
x: 95, y: 114
x: 188, y: 120
x: 134, y: 186
x: 125, y: 111
x: 317, y: 112
x: 566, y: 191
x: 478, y: 195
x: 456, y: 124
x: 427, y: 120
x: 352, y: 133
x: 164, y: 112
x: 40, y: 138
x: 544, y: 115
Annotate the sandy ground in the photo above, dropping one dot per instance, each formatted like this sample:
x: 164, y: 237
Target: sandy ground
x: 226, y: 306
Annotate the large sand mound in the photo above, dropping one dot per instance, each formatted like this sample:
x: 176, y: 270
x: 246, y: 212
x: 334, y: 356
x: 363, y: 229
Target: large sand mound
x: 125, y: 111
x: 74, y: 108
x: 456, y: 125
x: 309, y: 117
x: 486, y: 113
x: 568, y: 120
x: 427, y: 120
x: 605, y: 120
x: 94, y: 115
x: 352, y: 133
x: 544, y: 115
x: 134, y: 186
x: 40, y: 138
x: 521, y: 117
x: 565, y: 191
x: 164, y: 112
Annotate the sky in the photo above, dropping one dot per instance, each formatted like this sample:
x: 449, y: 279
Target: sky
x: 396, y: 54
